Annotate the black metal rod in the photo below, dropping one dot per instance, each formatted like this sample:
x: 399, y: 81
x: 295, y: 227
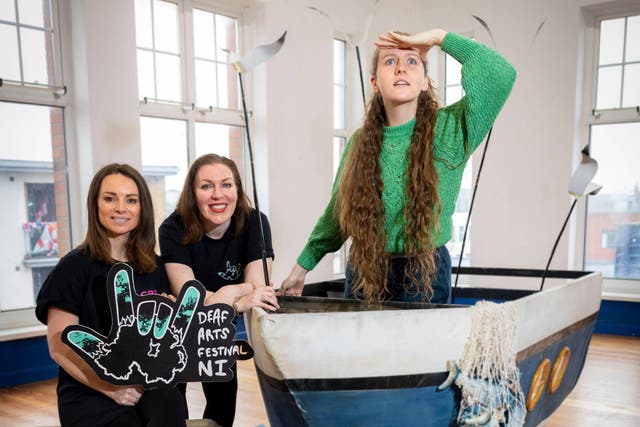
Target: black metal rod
x: 555, y: 245
x: 364, y: 100
x: 255, y: 190
x: 473, y: 198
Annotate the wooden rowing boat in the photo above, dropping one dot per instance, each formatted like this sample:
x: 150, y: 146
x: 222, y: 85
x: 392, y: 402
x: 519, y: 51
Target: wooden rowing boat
x: 325, y: 361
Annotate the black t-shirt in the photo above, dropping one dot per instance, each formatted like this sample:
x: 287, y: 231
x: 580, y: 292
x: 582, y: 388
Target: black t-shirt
x: 78, y: 284
x: 215, y: 262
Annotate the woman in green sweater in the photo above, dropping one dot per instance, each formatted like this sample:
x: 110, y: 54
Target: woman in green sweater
x: 399, y: 179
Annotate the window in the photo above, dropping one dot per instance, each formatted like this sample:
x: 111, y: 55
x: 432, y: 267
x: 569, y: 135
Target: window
x: 32, y: 175
x: 221, y: 139
x: 339, y: 128
x: 164, y: 154
x: 611, y: 122
x: 33, y: 166
x: 615, y: 211
x: 453, y: 93
x: 159, y: 50
x: 185, y: 114
x: 619, y: 63
x: 216, y: 81
x: 339, y: 83
x: 27, y: 39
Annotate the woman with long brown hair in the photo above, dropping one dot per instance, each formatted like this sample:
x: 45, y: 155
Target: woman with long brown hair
x: 400, y: 176
x: 213, y: 236
x: 120, y: 228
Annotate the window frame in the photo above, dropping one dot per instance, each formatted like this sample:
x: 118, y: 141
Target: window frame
x: 343, y: 135
x: 612, y: 289
x: 36, y: 91
x: 22, y: 323
x: 187, y: 110
x: 441, y: 78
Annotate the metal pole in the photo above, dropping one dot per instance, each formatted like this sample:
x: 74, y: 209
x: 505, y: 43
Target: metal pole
x: 364, y: 100
x: 555, y: 245
x: 253, y: 180
x: 473, y: 198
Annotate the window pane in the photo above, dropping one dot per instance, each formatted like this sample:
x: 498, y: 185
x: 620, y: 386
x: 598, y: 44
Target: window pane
x: 632, y: 49
x: 453, y: 94
x: 206, y: 92
x: 460, y: 215
x: 212, y: 138
x: 338, y: 107
x: 611, y: 41
x: 339, y: 62
x: 145, y: 75
x: 226, y: 36
x: 168, y: 77
x: 34, y: 12
x: 203, y: 35
x: 339, y: 257
x: 454, y: 70
x: 10, y: 60
x: 609, y: 80
x: 35, y: 231
x: 164, y: 161
x: 631, y: 92
x: 166, y: 28
x: 7, y: 11
x: 27, y: 127
x: 227, y: 87
x: 223, y: 83
x: 34, y: 56
x: 144, y: 34
x: 338, y: 148
x: 220, y: 139
x: 615, y: 211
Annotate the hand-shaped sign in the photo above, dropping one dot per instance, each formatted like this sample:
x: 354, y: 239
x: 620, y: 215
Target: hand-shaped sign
x: 154, y: 341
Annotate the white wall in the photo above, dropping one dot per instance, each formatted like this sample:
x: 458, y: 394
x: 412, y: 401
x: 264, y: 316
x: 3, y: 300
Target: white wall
x: 103, y: 122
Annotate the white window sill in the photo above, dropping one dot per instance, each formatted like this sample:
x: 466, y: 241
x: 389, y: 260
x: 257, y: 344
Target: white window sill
x: 620, y: 296
x: 24, y: 332
x: 621, y: 290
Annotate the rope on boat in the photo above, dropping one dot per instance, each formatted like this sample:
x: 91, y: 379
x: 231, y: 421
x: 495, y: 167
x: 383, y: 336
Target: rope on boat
x: 488, y: 377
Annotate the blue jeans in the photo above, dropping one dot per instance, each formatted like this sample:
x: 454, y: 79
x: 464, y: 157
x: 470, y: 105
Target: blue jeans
x: 441, y: 283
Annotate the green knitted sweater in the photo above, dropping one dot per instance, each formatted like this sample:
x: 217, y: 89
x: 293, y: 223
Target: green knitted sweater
x: 487, y: 79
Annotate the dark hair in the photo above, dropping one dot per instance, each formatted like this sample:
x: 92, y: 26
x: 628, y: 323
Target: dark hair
x: 359, y: 206
x: 187, y: 206
x: 140, y: 247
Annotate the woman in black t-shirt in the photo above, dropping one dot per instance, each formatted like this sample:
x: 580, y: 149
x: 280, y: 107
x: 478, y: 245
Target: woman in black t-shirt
x: 213, y: 236
x: 120, y: 228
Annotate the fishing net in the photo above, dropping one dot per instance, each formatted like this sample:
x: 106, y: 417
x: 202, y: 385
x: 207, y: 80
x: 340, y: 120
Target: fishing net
x: 489, y: 377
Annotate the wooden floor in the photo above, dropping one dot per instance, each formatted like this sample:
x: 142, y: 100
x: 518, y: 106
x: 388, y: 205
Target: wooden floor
x: 608, y: 393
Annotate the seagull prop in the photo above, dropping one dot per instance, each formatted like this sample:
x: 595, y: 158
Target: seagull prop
x: 581, y: 185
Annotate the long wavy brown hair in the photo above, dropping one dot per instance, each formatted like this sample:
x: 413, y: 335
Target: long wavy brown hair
x: 359, y: 207
x: 187, y: 205
x: 140, y: 247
